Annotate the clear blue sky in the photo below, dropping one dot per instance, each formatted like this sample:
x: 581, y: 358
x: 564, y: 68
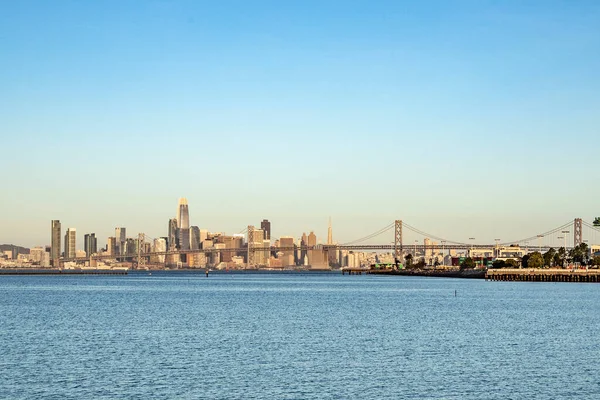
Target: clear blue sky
x: 463, y: 118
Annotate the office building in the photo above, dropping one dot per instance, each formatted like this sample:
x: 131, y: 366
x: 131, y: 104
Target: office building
x: 36, y: 255
x: 173, y: 241
x: 312, y: 239
x: 121, y: 239
x: 55, y: 243
x: 111, y: 245
x: 183, y: 224
x: 183, y: 215
x: 70, y: 243
x: 287, y: 245
x: 90, y: 244
x: 329, y: 233
x: 194, y: 238
x: 265, y: 225
x: 159, y: 246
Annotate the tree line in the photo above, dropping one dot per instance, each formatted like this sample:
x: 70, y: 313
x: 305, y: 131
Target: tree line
x: 553, y: 258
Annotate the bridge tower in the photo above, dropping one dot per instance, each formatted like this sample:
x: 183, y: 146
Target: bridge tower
x: 251, y: 245
x: 398, y: 240
x: 577, y: 232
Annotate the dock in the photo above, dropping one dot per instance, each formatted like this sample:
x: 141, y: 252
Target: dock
x: 544, y: 275
x: 360, y: 271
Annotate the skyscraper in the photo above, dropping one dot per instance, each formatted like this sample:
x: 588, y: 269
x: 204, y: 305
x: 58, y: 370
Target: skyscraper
x: 70, y: 243
x: 90, y: 244
x: 55, y: 242
x: 183, y: 223
x: 329, y: 233
x: 194, y: 238
x: 121, y: 239
x: 265, y: 225
x: 183, y: 216
x: 173, y: 240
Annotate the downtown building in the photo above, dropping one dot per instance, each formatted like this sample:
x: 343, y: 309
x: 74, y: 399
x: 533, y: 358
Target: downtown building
x: 55, y: 243
x: 121, y: 241
x: 183, y: 224
x: 90, y: 244
x: 71, y: 243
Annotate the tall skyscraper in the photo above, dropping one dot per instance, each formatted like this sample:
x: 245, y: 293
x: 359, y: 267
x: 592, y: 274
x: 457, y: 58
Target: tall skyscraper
x: 265, y: 225
x: 173, y: 242
x: 183, y: 216
x: 329, y: 233
x: 183, y: 223
x: 121, y: 239
x: 90, y: 244
x: 194, y: 238
x: 70, y: 243
x: 55, y: 243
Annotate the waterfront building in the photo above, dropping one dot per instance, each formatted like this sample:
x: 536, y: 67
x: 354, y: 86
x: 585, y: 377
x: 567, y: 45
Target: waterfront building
x: 90, y: 244
x: 70, y: 243
x: 45, y: 260
x: 194, y: 238
x: 265, y: 225
x: 55, y: 243
x: 36, y: 255
x: 197, y: 260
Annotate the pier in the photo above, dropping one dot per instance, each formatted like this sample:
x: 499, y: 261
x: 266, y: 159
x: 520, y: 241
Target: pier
x: 544, y: 275
x: 360, y: 271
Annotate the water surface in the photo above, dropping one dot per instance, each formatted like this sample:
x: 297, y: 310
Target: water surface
x: 296, y: 336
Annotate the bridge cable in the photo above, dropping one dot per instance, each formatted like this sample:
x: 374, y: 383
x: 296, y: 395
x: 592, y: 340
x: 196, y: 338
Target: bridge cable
x: 372, y: 235
x: 550, y: 232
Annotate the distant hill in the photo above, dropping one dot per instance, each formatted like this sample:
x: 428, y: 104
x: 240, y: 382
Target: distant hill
x: 20, y: 250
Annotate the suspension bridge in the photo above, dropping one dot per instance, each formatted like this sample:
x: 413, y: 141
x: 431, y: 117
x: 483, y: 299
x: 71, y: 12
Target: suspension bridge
x: 568, y: 235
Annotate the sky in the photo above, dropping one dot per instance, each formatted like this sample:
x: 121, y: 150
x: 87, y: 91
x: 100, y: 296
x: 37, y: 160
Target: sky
x: 462, y: 118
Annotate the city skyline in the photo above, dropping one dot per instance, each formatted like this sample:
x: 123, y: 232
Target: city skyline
x: 467, y: 119
x: 192, y: 240
x: 322, y: 232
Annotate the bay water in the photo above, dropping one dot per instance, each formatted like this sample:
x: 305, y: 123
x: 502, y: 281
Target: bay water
x: 180, y: 335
